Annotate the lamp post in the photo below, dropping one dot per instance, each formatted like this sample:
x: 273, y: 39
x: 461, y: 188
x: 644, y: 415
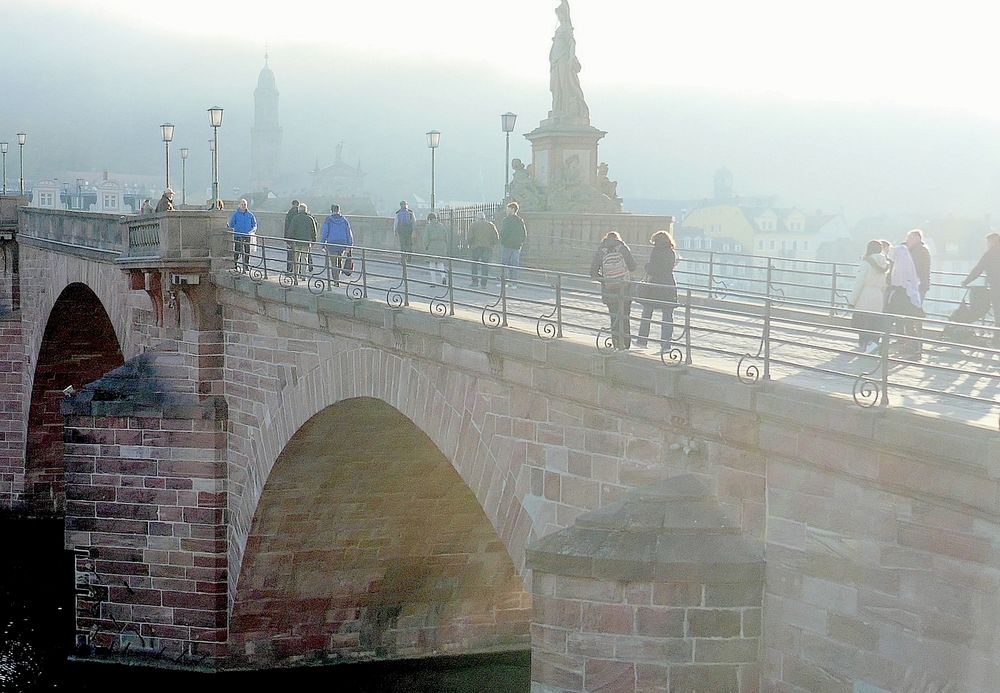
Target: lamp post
x: 167, y: 131
x: 507, y: 121
x: 184, y: 156
x: 433, y: 140
x: 79, y: 193
x: 3, y: 151
x: 21, y: 137
x: 215, y: 120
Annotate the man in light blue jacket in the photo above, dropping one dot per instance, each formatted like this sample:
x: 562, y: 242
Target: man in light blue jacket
x: 243, y: 223
x: 337, y: 239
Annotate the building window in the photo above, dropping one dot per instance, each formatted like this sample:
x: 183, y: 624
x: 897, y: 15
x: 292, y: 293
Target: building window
x: 760, y: 245
x: 46, y: 199
x: 110, y: 201
x: 774, y: 245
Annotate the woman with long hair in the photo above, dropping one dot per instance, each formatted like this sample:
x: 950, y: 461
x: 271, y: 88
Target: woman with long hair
x: 659, y: 291
x: 867, y: 298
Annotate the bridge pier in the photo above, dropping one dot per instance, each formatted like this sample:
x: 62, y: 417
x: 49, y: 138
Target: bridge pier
x: 145, y: 473
x: 658, y: 591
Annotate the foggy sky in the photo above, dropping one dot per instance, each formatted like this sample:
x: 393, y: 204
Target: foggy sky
x: 94, y: 99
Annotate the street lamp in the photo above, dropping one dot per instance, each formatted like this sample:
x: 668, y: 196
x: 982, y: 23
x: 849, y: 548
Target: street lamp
x: 433, y: 140
x: 184, y: 156
x: 79, y: 193
x: 215, y: 120
x: 507, y: 121
x: 21, y: 137
x: 167, y: 131
x: 3, y: 150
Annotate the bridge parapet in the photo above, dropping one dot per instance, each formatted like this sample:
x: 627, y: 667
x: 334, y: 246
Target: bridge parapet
x: 175, y: 240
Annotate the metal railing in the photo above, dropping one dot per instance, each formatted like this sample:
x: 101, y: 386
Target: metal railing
x: 761, y: 337
x: 821, y: 283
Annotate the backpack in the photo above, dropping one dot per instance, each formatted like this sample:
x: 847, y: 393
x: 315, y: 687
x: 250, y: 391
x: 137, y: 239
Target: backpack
x: 614, y: 270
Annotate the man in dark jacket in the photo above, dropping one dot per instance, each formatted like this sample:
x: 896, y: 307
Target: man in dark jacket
x: 483, y: 238
x: 166, y: 203
x: 337, y: 239
x: 612, y: 265
x: 403, y: 224
x: 989, y: 264
x: 513, y: 234
x: 921, y: 255
x: 301, y: 232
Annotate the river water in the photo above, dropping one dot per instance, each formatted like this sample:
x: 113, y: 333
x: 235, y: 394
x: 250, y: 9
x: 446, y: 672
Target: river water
x: 36, y: 635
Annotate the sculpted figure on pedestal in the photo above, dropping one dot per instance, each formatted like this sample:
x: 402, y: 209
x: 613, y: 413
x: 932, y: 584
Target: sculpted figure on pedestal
x: 524, y: 189
x: 564, y: 75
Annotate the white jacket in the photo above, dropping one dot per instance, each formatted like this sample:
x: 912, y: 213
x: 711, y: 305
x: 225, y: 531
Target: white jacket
x: 869, y: 285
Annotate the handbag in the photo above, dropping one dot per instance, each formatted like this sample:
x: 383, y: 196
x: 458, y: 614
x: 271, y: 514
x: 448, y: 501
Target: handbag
x: 348, y: 264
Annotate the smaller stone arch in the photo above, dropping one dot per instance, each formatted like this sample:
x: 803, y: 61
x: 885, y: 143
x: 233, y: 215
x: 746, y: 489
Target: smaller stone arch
x: 79, y: 345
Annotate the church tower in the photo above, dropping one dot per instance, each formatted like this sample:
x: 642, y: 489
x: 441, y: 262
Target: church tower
x: 265, y: 136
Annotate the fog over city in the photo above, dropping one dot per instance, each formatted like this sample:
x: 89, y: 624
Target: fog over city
x: 881, y: 111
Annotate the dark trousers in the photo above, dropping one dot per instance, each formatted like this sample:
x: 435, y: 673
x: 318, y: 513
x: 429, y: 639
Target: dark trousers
x: 334, y: 263
x: 480, y: 271
x: 869, y: 326
x: 241, y: 248
x: 619, y: 306
x: 298, y: 258
x: 666, y: 323
x: 405, y: 243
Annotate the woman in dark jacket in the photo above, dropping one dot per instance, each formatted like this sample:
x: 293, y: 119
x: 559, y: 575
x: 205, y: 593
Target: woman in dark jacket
x: 659, y: 291
x: 615, y: 290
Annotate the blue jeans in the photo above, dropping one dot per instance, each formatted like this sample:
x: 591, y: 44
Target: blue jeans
x: 510, y: 258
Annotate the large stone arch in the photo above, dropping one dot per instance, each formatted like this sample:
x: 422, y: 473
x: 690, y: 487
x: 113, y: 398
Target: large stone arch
x: 466, y: 417
x: 367, y: 543
x: 78, y: 345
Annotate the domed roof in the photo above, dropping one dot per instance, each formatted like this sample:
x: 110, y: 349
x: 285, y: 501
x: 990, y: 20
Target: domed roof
x: 265, y: 80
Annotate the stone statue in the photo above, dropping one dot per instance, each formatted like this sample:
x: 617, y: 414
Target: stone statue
x: 564, y: 75
x: 605, y: 185
x: 525, y: 189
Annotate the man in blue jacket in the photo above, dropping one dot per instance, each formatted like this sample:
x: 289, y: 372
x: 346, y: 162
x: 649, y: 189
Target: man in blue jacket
x: 338, y: 239
x: 243, y: 223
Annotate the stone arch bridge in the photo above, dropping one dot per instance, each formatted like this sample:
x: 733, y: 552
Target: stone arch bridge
x: 254, y: 476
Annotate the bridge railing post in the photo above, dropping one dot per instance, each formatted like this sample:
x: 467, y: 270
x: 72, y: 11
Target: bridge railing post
x: 406, y: 281
x: 503, y: 297
x: 364, y: 273
x: 687, y: 327
x: 884, y: 357
x: 833, y: 291
x: 559, y: 307
x: 451, y: 287
x: 767, y: 332
x: 711, y: 274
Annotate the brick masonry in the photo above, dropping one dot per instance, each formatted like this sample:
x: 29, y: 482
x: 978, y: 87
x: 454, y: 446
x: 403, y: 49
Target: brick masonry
x: 880, y: 528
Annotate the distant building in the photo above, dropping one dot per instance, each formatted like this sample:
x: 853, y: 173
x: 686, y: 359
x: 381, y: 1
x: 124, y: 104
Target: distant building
x: 771, y: 231
x: 265, y: 135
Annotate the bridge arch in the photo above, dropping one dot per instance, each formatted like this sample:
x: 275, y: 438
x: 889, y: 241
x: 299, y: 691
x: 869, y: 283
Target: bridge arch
x: 367, y: 542
x: 461, y: 415
x: 78, y: 345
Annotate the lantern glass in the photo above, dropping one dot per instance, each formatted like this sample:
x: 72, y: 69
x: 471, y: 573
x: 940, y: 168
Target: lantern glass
x: 167, y: 131
x: 433, y: 139
x: 184, y: 152
x: 507, y: 121
x: 21, y: 137
x: 3, y: 147
x: 215, y: 116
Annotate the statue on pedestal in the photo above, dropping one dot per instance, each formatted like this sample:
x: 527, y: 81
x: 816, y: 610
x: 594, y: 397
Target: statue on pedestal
x: 564, y: 74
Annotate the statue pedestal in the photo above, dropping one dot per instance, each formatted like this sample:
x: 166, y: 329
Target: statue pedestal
x: 564, y: 151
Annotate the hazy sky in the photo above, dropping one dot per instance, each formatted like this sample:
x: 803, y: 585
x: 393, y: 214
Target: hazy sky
x: 861, y: 106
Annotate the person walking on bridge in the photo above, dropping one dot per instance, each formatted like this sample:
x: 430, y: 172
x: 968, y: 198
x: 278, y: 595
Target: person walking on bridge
x: 483, y: 238
x: 337, y: 239
x: 659, y: 291
x: 439, y: 243
x: 904, y: 298
x: 301, y: 233
x: 513, y: 234
x: 612, y: 265
x: 166, y: 203
x: 989, y: 264
x: 403, y: 224
x: 242, y: 223
x: 868, y: 297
